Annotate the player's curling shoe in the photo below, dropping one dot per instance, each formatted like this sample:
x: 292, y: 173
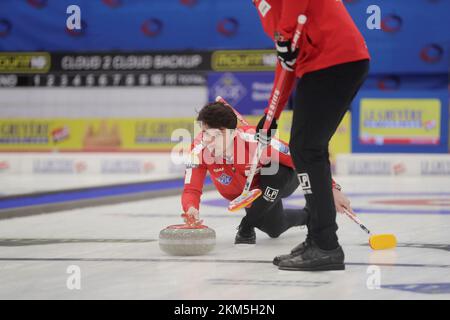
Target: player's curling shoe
x: 294, y: 252
x: 245, y: 235
x: 315, y: 259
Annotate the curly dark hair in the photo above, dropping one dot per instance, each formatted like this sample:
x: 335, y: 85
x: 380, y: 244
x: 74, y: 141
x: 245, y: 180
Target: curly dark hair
x: 218, y: 116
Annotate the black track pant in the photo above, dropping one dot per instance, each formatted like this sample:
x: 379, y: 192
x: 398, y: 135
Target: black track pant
x: 267, y: 212
x: 321, y: 100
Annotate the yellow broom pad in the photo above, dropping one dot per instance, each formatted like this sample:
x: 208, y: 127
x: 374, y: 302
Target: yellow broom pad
x: 382, y: 241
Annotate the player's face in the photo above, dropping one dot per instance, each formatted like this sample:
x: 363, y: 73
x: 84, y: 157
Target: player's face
x: 218, y: 141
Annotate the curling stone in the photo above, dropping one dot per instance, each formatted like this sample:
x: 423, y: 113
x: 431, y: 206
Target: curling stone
x: 185, y: 240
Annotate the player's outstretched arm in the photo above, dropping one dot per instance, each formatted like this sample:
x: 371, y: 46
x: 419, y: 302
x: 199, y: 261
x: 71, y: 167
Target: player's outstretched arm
x: 194, y: 179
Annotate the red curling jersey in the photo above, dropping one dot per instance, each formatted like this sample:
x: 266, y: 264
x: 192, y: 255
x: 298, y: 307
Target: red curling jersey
x: 229, y: 177
x: 329, y: 37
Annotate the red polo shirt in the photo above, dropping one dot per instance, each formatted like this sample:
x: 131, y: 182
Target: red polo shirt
x: 329, y: 37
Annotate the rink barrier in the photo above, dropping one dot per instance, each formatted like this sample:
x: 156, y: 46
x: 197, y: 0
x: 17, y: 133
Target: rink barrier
x: 54, y: 201
x: 414, y: 165
x: 84, y: 164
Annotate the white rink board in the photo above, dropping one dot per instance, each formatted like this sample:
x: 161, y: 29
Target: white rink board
x: 391, y: 164
x: 35, y: 172
x: 85, y: 164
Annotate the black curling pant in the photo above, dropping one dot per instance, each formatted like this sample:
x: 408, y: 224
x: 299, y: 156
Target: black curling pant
x: 321, y: 100
x: 267, y: 212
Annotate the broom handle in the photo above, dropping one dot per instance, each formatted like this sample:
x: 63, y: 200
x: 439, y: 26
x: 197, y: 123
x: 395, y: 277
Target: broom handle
x: 238, y: 115
x: 257, y: 154
x: 357, y: 221
x: 274, y: 103
x: 279, y: 86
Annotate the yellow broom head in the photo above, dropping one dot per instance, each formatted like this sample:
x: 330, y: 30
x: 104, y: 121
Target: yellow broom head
x: 382, y: 241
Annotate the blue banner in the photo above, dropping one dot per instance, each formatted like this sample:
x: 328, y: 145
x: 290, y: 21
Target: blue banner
x: 413, y: 37
x: 248, y: 92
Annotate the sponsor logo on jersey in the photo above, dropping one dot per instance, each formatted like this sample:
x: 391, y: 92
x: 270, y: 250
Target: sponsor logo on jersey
x: 218, y: 169
x: 264, y: 7
x: 278, y: 145
x: 271, y: 194
x: 192, y: 165
x: 224, y: 179
x: 305, y: 183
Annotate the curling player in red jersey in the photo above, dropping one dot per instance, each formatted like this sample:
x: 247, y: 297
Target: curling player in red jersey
x: 226, y: 155
x: 328, y: 68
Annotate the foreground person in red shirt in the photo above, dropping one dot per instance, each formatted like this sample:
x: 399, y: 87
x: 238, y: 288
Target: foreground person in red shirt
x: 227, y: 156
x: 331, y: 63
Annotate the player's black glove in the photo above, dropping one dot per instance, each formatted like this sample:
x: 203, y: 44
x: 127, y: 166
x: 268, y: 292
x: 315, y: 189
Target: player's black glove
x: 285, y: 54
x: 261, y: 135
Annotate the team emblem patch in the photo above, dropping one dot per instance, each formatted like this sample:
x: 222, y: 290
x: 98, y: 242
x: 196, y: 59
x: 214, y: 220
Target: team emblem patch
x: 270, y: 194
x: 305, y: 183
x: 282, y: 148
x: 264, y: 7
x: 224, y: 179
x: 191, y: 166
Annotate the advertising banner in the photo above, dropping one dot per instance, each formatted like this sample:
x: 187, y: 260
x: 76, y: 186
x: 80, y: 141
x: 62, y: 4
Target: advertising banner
x: 93, y: 134
x: 401, y: 122
x: 24, y: 62
x: 244, y: 60
x: 248, y: 92
x: 125, y: 62
x: 162, y: 68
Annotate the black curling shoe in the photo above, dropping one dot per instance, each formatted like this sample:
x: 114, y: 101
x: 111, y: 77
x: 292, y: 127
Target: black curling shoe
x: 315, y: 259
x: 245, y: 235
x: 294, y: 252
